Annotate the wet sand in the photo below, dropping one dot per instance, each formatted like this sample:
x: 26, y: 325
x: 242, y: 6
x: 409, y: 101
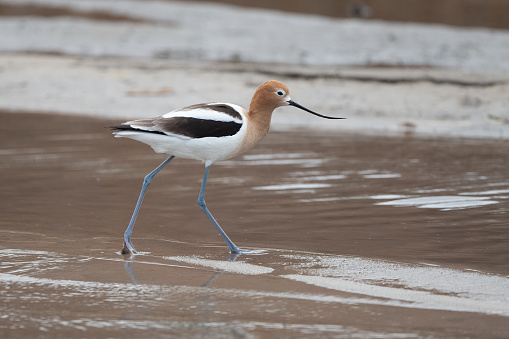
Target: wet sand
x: 352, y: 236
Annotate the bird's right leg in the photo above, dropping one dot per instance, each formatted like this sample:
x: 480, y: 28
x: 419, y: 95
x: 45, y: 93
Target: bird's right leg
x: 201, y: 202
x: 128, y: 245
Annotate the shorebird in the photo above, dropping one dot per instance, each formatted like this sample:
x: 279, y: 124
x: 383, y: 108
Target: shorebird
x: 206, y: 132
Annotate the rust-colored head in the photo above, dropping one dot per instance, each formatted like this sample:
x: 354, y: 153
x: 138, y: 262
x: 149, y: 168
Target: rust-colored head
x: 271, y: 95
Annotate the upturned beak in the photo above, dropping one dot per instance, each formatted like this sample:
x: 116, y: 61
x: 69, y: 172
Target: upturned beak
x: 293, y: 103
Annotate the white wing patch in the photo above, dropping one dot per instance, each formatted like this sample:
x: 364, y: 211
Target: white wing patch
x: 201, y: 112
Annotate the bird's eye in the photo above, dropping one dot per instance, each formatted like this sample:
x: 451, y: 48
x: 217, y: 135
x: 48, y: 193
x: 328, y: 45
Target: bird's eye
x: 280, y: 93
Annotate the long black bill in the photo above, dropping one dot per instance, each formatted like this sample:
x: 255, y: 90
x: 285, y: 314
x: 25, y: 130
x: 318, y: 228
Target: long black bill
x: 293, y: 103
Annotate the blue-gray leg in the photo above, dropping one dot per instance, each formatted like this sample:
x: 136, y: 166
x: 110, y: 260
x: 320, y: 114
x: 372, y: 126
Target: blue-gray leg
x: 128, y: 245
x: 201, y: 203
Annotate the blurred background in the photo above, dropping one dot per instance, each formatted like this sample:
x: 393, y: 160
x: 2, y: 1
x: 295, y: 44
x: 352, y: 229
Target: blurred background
x: 392, y: 67
x: 467, y: 13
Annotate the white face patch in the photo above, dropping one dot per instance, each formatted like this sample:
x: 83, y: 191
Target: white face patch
x: 281, y: 93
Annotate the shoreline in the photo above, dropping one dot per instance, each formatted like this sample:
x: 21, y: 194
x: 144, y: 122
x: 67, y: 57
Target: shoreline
x: 382, y: 101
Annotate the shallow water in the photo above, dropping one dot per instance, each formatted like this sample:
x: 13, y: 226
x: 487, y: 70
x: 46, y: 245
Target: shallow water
x: 352, y: 235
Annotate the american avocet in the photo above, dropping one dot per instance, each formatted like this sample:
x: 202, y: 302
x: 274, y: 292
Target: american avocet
x: 206, y: 132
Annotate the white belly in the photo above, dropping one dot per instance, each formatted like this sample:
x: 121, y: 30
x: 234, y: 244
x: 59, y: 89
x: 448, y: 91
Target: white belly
x: 207, y: 149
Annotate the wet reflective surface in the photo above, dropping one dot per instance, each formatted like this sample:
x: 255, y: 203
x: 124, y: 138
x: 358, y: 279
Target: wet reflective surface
x: 351, y: 236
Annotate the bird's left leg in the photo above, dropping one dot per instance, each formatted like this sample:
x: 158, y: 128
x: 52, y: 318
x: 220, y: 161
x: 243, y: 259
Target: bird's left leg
x: 128, y: 245
x: 203, y: 206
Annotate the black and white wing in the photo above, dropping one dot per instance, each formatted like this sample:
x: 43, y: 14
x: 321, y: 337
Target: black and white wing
x: 193, y: 122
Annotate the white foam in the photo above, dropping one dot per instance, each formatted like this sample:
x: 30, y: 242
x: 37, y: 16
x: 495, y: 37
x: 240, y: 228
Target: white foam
x: 290, y: 187
x: 415, y: 299
x: 459, y: 204
x: 226, y: 266
x: 82, y: 285
x: 382, y: 176
x: 388, y: 196
x: 441, y: 202
x: 429, y: 277
x: 417, y: 286
x: 14, y: 251
x: 120, y: 292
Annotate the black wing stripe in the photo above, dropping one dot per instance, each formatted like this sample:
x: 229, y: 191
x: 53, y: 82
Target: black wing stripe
x: 199, y: 128
x: 188, y: 127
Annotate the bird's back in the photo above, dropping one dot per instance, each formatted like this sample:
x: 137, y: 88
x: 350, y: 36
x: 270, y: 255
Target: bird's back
x: 206, y: 132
